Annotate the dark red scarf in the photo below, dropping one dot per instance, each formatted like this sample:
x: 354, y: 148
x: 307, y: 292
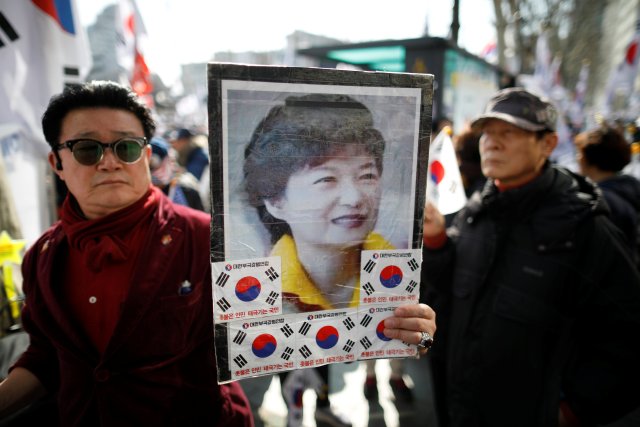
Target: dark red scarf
x: 104, y: 239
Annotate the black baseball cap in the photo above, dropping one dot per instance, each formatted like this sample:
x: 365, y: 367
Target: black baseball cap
x: 521, y: 108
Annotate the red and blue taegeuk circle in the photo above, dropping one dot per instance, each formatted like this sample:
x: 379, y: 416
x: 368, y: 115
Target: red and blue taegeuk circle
x: 380, y: 332
x: 248, y: 288
x: 264, y: 345
x: 327, y: 337
x: 391, y: 276
x: 437, y: 171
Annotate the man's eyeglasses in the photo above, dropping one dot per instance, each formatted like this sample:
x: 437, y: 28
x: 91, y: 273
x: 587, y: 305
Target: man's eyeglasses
x: 89, y: 152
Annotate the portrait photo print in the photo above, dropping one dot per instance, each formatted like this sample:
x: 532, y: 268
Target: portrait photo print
x: 309, y: 179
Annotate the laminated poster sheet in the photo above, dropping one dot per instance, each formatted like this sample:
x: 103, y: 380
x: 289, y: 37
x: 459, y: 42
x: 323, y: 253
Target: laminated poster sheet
x: 318, y: 186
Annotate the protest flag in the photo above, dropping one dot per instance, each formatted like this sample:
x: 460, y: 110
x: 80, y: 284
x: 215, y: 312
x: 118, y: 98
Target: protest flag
x: 43, y: 47
x: 576, y: 111
x: 543, y: 71
x: 490, y: 52
x: 444, y: 183
x: 131, y: 31
x: 622, y: 78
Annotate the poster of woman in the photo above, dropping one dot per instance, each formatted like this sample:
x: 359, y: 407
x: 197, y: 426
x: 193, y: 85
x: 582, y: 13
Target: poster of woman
x: 314, y: 181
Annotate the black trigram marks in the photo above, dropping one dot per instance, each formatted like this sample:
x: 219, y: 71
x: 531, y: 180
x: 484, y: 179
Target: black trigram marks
x: 222, y: 279
x: 305, y: 351
x: 7, y: 30
x: 348, y: 323
x: 368, y: 288
x: 272, y: 298
x: 366, y: 320
x: 239, y: 338
x: 272, y: 274
x: 286, y: 331
x: 240, y: 360
x: 348, y: 346
x: 287, y: 353
x: 223, y: 304
x: 71, y: 76
x: 304, y: 328
x: 366, y: 343
x: 369, y: 266
x: 413, y: 264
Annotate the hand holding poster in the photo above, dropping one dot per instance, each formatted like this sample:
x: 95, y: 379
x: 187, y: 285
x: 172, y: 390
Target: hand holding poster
x: 318, y: 203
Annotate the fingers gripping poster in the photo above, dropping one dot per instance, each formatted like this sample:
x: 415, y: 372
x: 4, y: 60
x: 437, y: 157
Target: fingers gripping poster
x: 318, y: 187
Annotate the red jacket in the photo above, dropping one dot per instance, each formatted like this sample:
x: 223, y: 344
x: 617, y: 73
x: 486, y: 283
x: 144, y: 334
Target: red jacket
x: 159, y: 366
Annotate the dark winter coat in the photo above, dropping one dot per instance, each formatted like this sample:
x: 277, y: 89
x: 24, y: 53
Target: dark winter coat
x: 536, y: 298
x: 159, y: 367
x: 622, y: 194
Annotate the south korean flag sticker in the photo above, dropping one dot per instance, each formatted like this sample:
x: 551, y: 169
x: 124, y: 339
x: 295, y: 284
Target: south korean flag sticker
x: 326, y: 336
x: 372, y: 342
x: 390, y: 276
x: 246, y: 288
x: 259, y: 347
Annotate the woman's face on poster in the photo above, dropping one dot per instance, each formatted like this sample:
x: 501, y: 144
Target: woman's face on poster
x: 333, y: 203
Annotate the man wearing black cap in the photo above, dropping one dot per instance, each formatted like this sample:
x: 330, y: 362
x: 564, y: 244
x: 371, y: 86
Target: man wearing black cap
x: 537, y: 301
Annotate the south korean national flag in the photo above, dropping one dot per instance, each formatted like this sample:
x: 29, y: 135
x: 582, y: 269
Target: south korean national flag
x: 372, y: 343
x: 260, y: 347
x: 246, y: 288
x: 390, y: 275
x: 326, y: 334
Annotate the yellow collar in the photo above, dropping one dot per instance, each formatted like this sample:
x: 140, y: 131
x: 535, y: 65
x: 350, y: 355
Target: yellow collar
x: 296, y: 284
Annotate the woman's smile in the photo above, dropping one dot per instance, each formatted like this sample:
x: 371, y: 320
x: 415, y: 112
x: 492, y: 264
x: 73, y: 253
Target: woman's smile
x: 350, y: 221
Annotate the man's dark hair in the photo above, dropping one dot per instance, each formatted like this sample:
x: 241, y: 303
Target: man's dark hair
x: 606, y: 148
x: 306, y: 131
x: 93, y: 94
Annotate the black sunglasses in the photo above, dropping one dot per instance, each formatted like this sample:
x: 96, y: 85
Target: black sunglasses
x: 89, y: 152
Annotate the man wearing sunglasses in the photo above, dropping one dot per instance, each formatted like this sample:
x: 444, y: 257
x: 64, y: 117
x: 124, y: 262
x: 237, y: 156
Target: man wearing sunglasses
x: 118, y: 293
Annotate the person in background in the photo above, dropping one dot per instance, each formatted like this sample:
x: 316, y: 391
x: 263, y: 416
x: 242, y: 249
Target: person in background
x: 118, y: 298
x: 181, y: 188
x: 467, y: 146
x: 601, y: 155
x: 542, y: 299
x: 192, y: 157
x: 440, y: 123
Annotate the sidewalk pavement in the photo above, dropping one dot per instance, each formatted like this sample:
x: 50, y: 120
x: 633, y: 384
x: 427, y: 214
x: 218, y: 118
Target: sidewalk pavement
x: 347, y: 397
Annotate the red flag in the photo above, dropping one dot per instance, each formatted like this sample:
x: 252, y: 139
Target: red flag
x: 131, y: 55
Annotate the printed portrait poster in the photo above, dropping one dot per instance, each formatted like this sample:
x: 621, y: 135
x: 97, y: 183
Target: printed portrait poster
x: 318, y: 185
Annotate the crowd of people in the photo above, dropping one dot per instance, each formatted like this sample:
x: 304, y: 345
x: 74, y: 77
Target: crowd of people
x: 535, y: 282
